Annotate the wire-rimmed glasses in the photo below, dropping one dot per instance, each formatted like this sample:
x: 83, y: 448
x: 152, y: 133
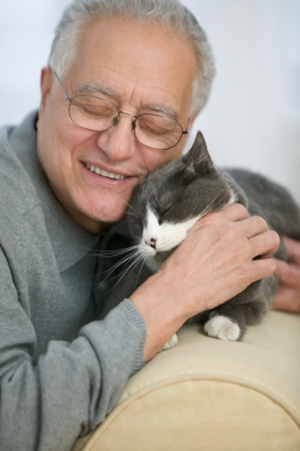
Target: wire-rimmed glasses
x: 152, y: 130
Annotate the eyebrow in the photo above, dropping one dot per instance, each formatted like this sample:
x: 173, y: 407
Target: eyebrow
x: 162, y: 109
x: 95, y: 88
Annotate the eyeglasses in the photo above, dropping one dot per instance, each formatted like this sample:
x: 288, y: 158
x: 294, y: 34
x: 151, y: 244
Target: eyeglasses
x: 97, y: 114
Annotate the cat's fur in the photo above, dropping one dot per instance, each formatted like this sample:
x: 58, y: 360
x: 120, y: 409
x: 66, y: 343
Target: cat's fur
x: 166, y: 204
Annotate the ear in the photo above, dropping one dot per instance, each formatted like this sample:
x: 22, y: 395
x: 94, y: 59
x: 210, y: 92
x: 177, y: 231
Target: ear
x: 191, y: 121
x: 198, y: 159
x: 46, y: 83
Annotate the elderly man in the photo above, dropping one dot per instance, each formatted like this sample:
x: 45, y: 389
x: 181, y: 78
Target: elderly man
x: 117, y: 71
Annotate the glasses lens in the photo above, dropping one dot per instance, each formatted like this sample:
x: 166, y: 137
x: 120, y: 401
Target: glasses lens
x: 93, y: 113
x: 158, y: 132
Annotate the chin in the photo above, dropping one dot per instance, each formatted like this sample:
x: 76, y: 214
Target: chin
x: 107, y: 214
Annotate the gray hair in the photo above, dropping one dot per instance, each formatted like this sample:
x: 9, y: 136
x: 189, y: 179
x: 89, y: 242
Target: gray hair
x: 168, y: 13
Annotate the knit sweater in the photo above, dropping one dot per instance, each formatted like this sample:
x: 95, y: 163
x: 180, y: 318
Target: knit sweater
x: 61, y: 370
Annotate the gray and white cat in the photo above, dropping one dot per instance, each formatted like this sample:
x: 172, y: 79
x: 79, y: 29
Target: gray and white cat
x: 169, y: 201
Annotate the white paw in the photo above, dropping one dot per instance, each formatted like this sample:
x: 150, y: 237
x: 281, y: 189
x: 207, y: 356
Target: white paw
x: 223, y: 328
x: 171, y: 343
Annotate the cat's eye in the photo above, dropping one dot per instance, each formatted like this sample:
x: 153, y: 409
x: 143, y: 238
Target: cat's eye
x: 164, y: 211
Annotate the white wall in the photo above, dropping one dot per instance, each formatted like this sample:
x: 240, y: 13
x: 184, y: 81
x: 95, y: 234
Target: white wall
x: 26, y: 32
x: 253, y: 116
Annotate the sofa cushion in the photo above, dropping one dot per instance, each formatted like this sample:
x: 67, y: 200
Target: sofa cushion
x: 208, y: 394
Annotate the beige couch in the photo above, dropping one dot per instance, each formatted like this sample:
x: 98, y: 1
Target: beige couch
x: 211, y: 395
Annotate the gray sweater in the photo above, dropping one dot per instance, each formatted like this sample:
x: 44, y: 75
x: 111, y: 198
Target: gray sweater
x: 61, y: 370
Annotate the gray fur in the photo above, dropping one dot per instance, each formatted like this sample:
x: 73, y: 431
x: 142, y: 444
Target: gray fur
x: 183, y: 188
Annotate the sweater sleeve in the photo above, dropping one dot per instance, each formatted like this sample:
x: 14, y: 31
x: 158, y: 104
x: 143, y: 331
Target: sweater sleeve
x: 47, y: 402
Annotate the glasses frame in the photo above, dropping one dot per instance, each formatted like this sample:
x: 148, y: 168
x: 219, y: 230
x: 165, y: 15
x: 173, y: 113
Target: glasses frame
x: 117, y: 118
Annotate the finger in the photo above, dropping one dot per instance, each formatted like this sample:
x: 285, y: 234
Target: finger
x: 287, y: 274
x: 293, y: 249
x: 286, y: 299
x: 265, y: 244
x: 263, y: 268
x: 257, y: 226
x: 235, y: 212
x: 252, y: 227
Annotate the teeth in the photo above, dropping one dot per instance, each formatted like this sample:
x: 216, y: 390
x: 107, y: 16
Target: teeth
x: 104, y: 173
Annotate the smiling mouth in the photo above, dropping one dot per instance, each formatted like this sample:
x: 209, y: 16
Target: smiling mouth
x: 103, y: 173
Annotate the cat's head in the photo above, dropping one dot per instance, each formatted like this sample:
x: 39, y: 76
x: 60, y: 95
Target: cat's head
x: 169, y: 201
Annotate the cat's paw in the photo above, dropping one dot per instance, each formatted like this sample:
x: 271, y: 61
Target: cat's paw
x: 171, y: 343
x: 223, y: 328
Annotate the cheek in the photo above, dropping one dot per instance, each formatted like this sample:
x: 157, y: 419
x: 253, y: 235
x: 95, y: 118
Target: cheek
x: 153, y: 158
x: 56, y: 132
x: 54, y: 155
x: 56, y: 138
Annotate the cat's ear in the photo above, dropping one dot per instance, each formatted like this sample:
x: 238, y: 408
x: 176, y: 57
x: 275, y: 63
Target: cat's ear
x: 198, y: 158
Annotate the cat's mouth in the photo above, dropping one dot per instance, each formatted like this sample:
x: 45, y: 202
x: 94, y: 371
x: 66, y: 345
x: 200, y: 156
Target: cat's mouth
x: 153, y: 254
x: 162, y: 256
x: 154, y: 262
x: 103, y: 173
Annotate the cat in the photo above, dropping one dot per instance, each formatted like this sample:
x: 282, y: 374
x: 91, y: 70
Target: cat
x: 169, y: 201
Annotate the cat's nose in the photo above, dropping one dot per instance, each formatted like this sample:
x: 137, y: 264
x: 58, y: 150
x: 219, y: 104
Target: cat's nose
x: 151, y: 242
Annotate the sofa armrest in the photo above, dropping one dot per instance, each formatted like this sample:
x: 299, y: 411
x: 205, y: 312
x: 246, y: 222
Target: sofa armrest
x: 207, y: 394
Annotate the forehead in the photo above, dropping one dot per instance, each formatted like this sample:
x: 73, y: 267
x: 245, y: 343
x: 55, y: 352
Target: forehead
x: 139, y: 63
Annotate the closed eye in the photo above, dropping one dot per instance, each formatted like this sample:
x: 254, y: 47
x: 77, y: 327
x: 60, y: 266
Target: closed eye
x: 163, y: 213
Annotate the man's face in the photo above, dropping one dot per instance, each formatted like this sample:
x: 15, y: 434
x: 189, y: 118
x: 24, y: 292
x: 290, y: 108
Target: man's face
x: 142, y: 67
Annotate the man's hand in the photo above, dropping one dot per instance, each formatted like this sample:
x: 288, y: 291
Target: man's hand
x: 288, y: 295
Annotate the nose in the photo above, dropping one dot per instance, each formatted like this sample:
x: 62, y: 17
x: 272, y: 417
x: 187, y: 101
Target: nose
x: 118, y: 142
x: 151, y: 242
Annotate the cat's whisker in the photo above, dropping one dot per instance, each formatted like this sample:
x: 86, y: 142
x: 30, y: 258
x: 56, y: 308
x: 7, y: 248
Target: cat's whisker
x: 129, y: 213
x: 126, y: 203
x: 143, y: 259
x: 130, y: 268
x: 123, y: 261
x: 115, y: 253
